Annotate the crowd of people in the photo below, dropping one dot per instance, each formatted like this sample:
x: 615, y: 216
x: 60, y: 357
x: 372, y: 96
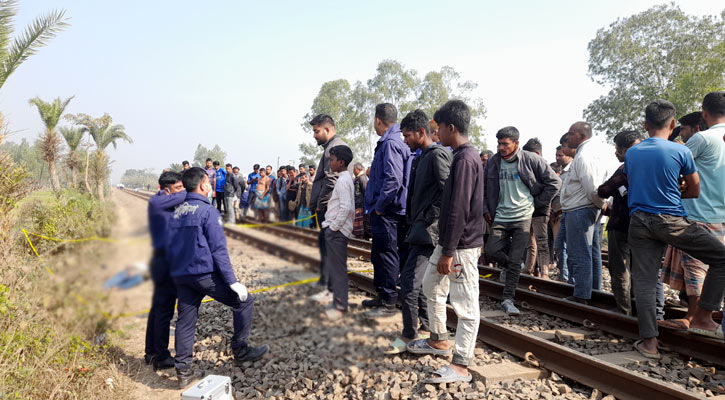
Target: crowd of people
x: 435, y: 208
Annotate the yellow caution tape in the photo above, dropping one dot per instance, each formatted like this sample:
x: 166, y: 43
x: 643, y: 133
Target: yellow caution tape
x: 277, y: 223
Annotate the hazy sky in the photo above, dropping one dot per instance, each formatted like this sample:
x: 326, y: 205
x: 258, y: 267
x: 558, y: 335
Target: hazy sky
x: 243, y: 74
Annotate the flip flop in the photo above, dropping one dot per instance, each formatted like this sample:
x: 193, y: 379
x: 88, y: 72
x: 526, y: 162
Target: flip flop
x: 716, y: 334
x: 423, y: 336
x: 446, y: 374
x: 396, y: 347
x: 646, y: 354
x: 680, y: 324
x: 421, y: 346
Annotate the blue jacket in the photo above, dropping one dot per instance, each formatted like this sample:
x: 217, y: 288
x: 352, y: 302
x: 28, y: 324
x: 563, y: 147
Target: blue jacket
x: 389, y: 174
x: 160, y: 210
x: 221, y: 177
x: 196, y: 245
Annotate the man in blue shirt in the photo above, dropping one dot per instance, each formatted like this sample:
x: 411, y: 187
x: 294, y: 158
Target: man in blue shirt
x: 220, y: 179
x: 658, y: 218
x: 196, y: 249
x: 385, y: 199
x: 252, y: 181
x: 160, y: 209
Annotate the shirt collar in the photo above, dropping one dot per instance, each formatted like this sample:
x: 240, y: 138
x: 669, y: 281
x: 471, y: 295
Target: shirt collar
x: 718, y: 126
x: 393, y: 131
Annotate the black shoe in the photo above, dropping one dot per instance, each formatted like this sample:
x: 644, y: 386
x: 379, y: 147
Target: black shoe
x: 383, y: 310
x: 577, y: 300
x: 184, y: 376
x: 164, y: 364
x: 248, y: 353
x: 148, y: 359
x: 372, y: 303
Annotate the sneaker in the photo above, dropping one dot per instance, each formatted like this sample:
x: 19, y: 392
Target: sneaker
x: 372, y: 303
x: 509, y: 307
x: 383, y: 310
x: 324, y: 296
x: 248, y: 353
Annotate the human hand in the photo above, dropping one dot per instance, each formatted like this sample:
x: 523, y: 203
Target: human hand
x: 444, y: 264
x: 487, y: 217
x: 240, y: 290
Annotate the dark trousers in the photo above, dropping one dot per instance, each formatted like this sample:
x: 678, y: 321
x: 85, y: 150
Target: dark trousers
x: 384, y: 255
x: 336, y: 264
x: 219, y: 199
x: 190, y: 296
x: 324, y: 275
x: 163, y: 301
x: 649, y: 234
x: 619, y: 269
x: 514, y: 236
x: 415, y: 306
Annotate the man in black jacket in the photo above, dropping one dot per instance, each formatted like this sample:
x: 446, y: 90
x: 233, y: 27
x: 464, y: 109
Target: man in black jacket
x: 231, y: 188
x: 428, y: 174
x: 517, y: 182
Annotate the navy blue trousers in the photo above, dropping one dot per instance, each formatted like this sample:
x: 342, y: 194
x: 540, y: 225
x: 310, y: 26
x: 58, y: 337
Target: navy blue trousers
x: 384, y: 254
x: 163, y: 301
x: 190, y: 296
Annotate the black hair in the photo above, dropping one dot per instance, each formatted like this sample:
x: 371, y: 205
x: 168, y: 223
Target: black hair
x: 270, y: 166
x: 169, y: 178
x: 217, y: 163
x: 322, y: 119
x: 290, y: 168
x: 564, y: 140
x: 558, y: 148
x: 556, y: 167
x: 192, y: 177
x: 208, y: 159
x: 387, y: 113
x: 714, y: 104
x: 256, y: 166
x: 416, y: 120
x: 235, y: 167
x: 533, y: 145
x: 659, y: 113
x: 228, y: 165
x: 693, y: 119
x: 311, y: 166
x: 342, y: 153
x: 301, y: 166
x: 626, y: 139
x: 456, y: 113
x: 675, y: 134
x: 508, y: 132
x: 184, y: 162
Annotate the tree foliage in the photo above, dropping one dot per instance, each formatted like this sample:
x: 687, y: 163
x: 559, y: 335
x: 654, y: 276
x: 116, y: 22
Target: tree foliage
x: 140, y: 178
x: 659, y: 53
x: 49, y: 141
x: 202, y: 153
x: 352, y: 106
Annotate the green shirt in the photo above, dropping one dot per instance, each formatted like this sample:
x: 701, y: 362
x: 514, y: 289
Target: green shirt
x: 515, y: 202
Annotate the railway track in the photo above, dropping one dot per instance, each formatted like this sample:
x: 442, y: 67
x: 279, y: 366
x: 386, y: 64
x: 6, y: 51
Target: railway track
x: 590, y: 371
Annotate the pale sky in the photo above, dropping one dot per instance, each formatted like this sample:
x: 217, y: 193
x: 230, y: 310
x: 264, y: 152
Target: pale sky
x: 242, y: 74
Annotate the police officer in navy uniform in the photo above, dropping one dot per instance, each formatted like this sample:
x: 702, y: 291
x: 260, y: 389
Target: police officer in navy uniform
x: 160, y: 209
x: 197, y: 253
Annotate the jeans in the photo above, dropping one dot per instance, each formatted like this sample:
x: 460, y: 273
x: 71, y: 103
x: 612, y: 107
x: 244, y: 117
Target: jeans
x: 583, y: 242
x: 537, y: 250
x: 516, y: 235
x: 190, y: 296
x: 462, y: 284
x: 336, y: 264
x: 619, y: 268
x: 411, y: 284
x: 384, y: 254
x: 163, y: 301
x: 648, y: 235
x: 560, y: 249
x: 219, y: 201
x: 283, y: 208
x: 229, y: 207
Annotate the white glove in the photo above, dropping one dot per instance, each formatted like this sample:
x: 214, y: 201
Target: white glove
x: 240, y: 289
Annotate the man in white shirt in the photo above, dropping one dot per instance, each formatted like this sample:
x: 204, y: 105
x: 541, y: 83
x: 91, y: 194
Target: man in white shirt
x: 338, y: 228
x: 581, y: 206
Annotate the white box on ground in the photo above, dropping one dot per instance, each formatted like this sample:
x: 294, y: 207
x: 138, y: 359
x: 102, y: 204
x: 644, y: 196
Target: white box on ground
x: 212, y: 387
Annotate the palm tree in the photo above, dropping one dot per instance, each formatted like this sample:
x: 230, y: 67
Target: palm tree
x: 49, y: 142
x: 104, y: 133
x: 73, y: 137
x: 35, y: 36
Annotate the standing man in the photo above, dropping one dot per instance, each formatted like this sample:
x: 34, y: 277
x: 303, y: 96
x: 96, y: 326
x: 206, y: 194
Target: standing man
x: 312, y: 171
x: 658, y: 218
x: 185, y: 165
x: 385, y: 199
x: 323, y: 130
x: 453, y: 266
x: 281, y: 189
x: 517, y: 182
x: 582, y: 206
x: 361, y: 224
x: 221, y: 177
x: 200, y: 271
x: 564, y: 156
x: 252, y: 181
x: 231, y: 188
x: 428, y: 175
x: 241, y: 188
x: 211, y: 173
x: 618, y: 225
x: 160, y: 209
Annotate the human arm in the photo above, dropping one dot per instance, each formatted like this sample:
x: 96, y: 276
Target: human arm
x: 692, y: 188
x: 486, y: 212
x: 346, y: 195
x: 214, y: 233
x: 548, y: 180
x: 457, y: 204
x: 611, y: 186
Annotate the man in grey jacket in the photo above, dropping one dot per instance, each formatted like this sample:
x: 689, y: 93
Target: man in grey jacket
x: 428, y: 175
x: 323, y: 129
x: 516, y: 183
x: 231, y: 188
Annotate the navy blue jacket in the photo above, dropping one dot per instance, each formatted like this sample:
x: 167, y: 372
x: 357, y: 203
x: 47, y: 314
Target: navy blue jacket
x: 160, y: 210
x: 387, y: 188
x: 196, y: 246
